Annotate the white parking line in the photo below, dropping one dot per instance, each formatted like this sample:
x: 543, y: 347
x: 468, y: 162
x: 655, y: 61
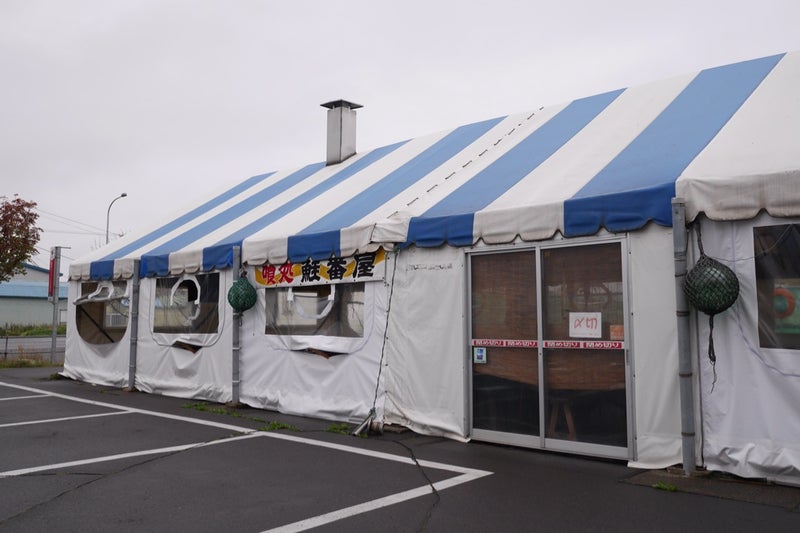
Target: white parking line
x: 23, y: 397
x: 378, y: 503
x: 467, y: 474
x: 69, y: 464
x: 63, y: 419
x: 210, y: 423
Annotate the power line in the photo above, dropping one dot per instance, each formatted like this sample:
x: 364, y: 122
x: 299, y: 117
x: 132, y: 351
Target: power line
x: 73, y: 221
x: 94, y: 233
x: 46, y: 251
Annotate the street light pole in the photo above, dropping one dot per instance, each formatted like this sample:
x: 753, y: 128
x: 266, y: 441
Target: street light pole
x: 108, y: 213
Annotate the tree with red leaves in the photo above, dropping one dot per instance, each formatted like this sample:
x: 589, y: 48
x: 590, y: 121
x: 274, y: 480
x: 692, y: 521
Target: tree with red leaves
x: 18, y: 235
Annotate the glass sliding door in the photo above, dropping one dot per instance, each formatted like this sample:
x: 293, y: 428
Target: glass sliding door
x: 505, y: 365
x: 548, y: 348
x: 584, y: 345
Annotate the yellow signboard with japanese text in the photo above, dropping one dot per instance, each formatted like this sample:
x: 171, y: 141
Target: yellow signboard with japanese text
x: 369, y: 266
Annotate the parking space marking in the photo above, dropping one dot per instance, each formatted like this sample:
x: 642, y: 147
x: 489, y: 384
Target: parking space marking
x: 199, y: 421
x: 156, y: 451
x: 23, y: 397
x: 63, y: 419
x: 466, y: 474
x: 378, y: 503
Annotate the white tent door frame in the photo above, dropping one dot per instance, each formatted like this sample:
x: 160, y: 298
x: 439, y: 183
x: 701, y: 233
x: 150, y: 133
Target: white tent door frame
x: 548, y: 362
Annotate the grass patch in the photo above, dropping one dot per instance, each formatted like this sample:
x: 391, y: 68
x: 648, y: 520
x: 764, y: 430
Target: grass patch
x: 277, y: 426
x: 342, y: 428
x: 208, y: 408
x: 25, y: 362
x: 665, y: 486
x: 31, y: 330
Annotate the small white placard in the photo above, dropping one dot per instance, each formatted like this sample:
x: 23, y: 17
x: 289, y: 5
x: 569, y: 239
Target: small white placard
x: 479, y: 355
x: 586, y: 325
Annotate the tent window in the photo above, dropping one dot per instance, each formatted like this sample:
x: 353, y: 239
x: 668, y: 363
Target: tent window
x: 777, y: 262
x: 187, y: 304
x: 329, y: 310
x: 102, y: 312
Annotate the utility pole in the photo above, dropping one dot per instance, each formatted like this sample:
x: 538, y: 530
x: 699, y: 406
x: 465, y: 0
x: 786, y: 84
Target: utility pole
x: 52, y: 295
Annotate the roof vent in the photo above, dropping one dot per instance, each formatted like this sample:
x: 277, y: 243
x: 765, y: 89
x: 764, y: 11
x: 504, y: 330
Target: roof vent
x: 341, y: 130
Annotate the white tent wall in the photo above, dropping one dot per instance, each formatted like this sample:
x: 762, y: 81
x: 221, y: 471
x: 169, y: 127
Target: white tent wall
x: 101, y: 364
x: 751, y: 421
x: 654, y: 348
x: 424, y: 374
x: 425, y: 352
x: 165, y: 369
x: 341, y: 387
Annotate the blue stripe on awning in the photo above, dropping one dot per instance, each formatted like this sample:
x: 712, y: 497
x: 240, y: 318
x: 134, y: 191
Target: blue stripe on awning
x: 430, y: 232
x: 154, y: 265
x: 451, y: 220
x: 104, y: 268
x: 154, y: 260
x: 638, y: 185
x: 320, y: 240
x: 220, y: 254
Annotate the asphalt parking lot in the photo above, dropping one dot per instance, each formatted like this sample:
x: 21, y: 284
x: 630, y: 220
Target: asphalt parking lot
x: 77, y: 457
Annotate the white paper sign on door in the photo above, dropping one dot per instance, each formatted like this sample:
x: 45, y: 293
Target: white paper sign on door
x: 586, y: 325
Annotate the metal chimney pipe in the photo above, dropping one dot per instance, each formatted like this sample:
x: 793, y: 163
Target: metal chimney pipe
x: 341, y: 130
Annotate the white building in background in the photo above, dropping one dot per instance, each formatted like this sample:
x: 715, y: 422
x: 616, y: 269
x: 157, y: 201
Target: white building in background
x: 23, y: 299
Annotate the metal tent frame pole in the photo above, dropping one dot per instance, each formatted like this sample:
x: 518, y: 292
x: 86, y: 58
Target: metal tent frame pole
x: 134, y: 325
x: 685, y: 367
x: 235, y: 333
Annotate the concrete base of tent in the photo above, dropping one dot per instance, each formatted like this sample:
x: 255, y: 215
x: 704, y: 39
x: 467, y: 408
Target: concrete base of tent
x: 721, y: 485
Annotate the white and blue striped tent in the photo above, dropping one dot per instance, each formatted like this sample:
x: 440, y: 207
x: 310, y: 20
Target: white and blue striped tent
x: 726, y: 139
x: 607, y: 161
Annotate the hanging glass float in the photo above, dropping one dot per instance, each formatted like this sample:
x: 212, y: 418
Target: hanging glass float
x: 242, y: 296
x: 711, y: 287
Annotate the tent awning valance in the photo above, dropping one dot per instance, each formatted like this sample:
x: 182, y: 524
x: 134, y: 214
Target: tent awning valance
x: 727, y: 139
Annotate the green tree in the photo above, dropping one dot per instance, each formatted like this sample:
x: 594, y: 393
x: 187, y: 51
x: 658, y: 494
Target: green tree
x: 18, y: 235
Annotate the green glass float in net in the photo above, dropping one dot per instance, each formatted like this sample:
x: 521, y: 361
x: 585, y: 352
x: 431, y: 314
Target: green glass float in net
x: 242, y: 296
x: 711, y: 287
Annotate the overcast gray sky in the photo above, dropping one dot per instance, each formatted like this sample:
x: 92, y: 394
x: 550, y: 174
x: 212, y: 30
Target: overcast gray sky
x: 173, y: 100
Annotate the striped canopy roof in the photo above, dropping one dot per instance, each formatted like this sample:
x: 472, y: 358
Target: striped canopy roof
x: 727, y: 139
